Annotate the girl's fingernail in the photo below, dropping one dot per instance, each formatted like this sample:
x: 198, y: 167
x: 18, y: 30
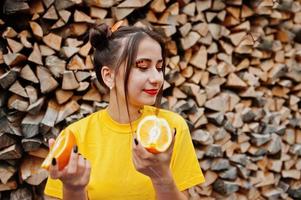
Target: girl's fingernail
x: 136, y: 141
x: 53, y: 162
x: 75, y: 149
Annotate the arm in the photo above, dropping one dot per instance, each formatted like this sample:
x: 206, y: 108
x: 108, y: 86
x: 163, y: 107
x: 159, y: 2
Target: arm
x: 166, y: 188
x: 74, y: 194
x: 75, y: 176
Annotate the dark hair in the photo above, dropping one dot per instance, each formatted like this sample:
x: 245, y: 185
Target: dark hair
x: 112, y: 48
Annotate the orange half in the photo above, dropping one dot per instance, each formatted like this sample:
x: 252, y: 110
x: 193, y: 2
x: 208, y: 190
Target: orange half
x: 61, y: 150
x: 154, y: 134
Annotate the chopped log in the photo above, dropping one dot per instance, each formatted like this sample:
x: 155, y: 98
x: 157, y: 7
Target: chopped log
x: 6, y: 172
x: 47, y: 82
x: 82, y: 17
x: 9, y: 33
x: 215, y: 30
x: 190, y: 40
x: 158, y: 5
x: 82, y: 75
x: 13, y: 59
x: 210, y: 16
x: 67, y: 110
x: 98, y: 12
x: 51, y: 114
x: 121, y: 13
x: 65, y: 15
x: 51, y: 14
x: 40, y: 153
x: 17, y: 102
x: 31, y: 171
x: 14, y: 6
x: 218, y: 103
x: 37, y: 7
x: 63, y: 96
x: 35, y: 55
x: 10, y: 185
x: 76, y: 63
x: 35, y: 107
x: 236, y: 38
x: 32, y: 94
x: 18, y: 89
x: 30, y: 144
x: 189, y: 9
x: 69, y: 51
x: 11, y: 152
x: 73, y: 42
x: 46, y: 51
x: 27, y: 74
x: 6, y: 140
x: 14, y: 45
x: 234, y: 81
x: 83, y: 86
x: 30, y: 125
x: 92, y: 95
x: 69, y: 81
x: 8, y: 78
x: 55, y: 65
x: 52, y: 40
x: 200, y: 58
x: 36, y: 29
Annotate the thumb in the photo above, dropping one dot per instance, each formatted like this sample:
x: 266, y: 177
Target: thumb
x: 170, y: 148
x: 51, y: 142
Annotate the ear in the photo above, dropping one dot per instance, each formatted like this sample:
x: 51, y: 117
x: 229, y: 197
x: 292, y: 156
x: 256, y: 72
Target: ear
x: 108, y: 76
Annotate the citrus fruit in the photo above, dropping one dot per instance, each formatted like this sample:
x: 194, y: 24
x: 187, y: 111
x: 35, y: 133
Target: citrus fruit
x: 154, y: 134
x: 61, y: 150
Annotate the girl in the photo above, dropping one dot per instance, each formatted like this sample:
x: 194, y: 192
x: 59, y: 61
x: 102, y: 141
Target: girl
x: 108, y: 162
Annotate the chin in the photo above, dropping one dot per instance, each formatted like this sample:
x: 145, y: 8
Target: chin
x: 148, y: 102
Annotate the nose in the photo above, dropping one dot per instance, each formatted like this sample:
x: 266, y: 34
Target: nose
x: 156, y: 77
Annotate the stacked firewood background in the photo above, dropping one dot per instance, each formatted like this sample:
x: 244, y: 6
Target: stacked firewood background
x: 233, y: 71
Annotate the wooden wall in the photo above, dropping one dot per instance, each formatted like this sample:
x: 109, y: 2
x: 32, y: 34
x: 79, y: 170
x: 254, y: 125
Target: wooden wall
x: 233, y: 71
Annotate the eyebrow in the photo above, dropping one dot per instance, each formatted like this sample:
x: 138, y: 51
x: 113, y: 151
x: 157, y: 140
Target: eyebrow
x: 149, y: 60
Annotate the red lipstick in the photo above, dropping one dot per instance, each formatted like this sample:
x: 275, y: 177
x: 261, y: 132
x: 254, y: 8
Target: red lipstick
x: 152, y: 92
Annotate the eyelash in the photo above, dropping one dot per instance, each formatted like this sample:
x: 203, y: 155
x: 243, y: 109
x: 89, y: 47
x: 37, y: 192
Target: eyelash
x: 146, y: 68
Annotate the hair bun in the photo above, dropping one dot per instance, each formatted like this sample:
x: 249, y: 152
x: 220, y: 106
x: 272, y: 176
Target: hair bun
x: 99, y: 36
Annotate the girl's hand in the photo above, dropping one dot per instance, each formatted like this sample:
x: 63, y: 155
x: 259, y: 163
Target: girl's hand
x: 76, y: 175
x: 156, y: 166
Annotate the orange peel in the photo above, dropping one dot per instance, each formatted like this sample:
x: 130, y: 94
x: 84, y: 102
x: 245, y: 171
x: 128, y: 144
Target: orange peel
x: 61, y: 150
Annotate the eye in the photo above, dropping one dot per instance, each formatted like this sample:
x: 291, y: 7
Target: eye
x: 159, y: 67
x: 142, y: 65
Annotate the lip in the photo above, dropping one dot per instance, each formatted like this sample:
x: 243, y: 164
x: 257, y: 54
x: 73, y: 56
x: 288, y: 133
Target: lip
x: 152, y: 92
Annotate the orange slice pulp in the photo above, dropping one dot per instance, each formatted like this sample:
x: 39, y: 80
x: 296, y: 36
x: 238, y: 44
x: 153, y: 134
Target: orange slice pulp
x: 154, y: 134
x: 61, y: 150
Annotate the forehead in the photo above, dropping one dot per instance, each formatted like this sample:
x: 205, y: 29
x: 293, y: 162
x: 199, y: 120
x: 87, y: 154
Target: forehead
x: 149, y: 48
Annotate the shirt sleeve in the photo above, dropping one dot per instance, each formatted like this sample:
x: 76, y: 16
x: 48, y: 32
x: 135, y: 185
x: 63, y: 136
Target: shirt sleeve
x: 54, y: 188
x: 184, y: 164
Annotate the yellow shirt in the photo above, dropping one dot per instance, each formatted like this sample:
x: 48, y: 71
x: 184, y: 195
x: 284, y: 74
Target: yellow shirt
x: 108, y: 146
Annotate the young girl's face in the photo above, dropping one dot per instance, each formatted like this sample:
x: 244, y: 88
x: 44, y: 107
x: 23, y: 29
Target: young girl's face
x: 146, y: 76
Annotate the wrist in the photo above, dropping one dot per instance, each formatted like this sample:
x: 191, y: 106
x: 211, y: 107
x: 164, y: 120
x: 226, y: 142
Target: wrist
x: 165, y: 179
x: 76, y: 189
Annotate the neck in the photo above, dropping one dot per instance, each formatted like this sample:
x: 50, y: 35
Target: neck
x: 120, y: 114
